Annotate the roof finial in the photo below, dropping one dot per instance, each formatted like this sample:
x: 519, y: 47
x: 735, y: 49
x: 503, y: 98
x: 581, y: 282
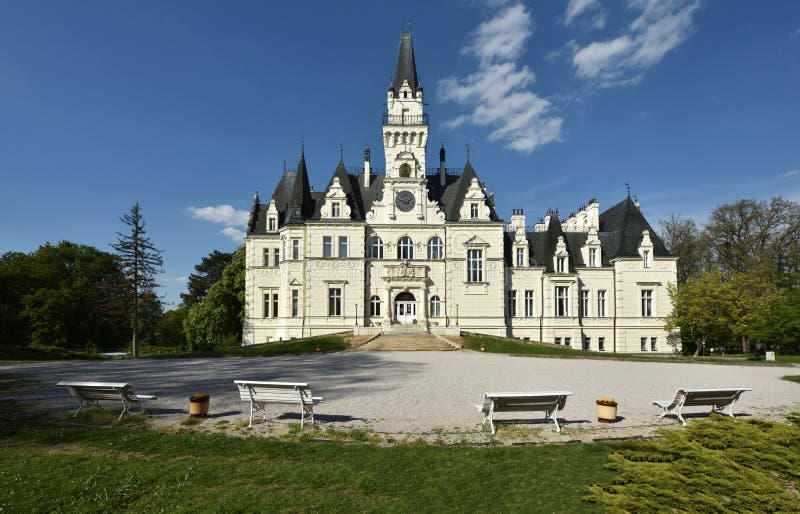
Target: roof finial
x: 341, y: 153
x: 628, y: 187
x: 284, y: 165
x: 467, y: 145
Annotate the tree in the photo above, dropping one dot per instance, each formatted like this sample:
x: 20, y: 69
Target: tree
x: 170, y: 329
x: 752, y: 234
x: 684, y: 240
x: 209, y: 272
x: 781, y: 330
x: 698, y: 309
x: 141, y: 261
x: 65, y: 295
x: 218, y: 318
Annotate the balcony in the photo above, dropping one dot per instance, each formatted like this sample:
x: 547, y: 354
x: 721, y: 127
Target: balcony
x: 404, y: 119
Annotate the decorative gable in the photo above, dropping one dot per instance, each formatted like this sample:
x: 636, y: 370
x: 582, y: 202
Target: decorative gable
x: 592, y: 250
x: 474, y: 206
x: 561, y: 256
x: 272, y: 217
x: 646, y: 249
x: 335, y: 204
x: 475, y: 242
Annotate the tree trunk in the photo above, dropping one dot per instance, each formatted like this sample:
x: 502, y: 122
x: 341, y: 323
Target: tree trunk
x: 699, y: 347
x: 745, y: 345
x: 134, y: 344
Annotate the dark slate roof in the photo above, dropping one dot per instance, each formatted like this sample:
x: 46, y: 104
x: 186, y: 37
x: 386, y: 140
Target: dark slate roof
x: 543, y: 245
x: 452, y: 197
x: 301, y: 203
x: 406, y: 68
x: 350, y: 186
x: 626, y: 222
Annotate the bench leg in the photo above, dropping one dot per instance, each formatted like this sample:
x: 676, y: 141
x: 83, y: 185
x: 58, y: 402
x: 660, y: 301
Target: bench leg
x: 490, y: 417
x: 250, y: 425
x: 680, y: 418
x: 554, y: 415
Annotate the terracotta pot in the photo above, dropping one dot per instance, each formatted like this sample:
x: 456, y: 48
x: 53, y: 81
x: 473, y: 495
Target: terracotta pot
x: 199, y: 409
x: 606, y: 413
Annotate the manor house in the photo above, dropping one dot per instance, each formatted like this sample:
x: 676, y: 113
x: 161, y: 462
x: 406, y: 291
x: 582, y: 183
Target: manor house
x: 412, y: 247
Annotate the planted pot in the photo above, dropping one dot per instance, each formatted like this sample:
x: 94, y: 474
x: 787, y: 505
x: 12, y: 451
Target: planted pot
x: 606, y: 413
x: 198, y: 405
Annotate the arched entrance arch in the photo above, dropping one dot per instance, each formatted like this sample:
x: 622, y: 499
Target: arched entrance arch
x: 405, y: 308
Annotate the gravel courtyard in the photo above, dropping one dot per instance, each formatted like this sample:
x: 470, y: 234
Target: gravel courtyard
x: 424, y: 395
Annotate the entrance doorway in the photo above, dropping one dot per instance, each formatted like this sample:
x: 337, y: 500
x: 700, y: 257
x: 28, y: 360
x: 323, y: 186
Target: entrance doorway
x: 405, y: 308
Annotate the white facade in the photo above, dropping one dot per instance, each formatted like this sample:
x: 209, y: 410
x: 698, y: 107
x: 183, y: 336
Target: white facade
x: 426, y: 248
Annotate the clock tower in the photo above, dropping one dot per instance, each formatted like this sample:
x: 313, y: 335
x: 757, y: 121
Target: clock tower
x: 405, y: 126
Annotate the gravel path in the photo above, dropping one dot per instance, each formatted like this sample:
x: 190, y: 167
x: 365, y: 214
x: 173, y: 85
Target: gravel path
x: 427, y: 395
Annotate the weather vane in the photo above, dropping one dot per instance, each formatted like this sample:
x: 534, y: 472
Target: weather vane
x: 467, y: 145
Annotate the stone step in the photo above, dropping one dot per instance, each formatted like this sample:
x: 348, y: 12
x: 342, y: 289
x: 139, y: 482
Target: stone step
x: 420, y: 342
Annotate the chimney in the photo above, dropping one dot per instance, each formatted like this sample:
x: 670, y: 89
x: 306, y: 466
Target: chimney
x: 366, y: 168
x: 593, y: 214
x: 442, y: 169
x: 517, y: 223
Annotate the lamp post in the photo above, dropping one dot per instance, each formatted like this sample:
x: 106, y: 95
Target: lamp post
x: 456, y: 314
x: 356, y: 314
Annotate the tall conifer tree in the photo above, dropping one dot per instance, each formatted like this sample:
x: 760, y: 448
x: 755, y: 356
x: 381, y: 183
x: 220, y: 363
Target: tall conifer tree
x: 141, y: 262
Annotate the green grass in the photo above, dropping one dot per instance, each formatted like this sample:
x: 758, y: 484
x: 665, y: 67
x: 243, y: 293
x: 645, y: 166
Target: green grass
x: 90, y: 469
x: 25, y: 353
x: 792, y: 378
x: 514, y: 347
x: 333, y: 343
x: 714, y: 465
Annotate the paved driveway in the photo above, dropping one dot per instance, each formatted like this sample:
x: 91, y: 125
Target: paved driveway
x: 422, y: 392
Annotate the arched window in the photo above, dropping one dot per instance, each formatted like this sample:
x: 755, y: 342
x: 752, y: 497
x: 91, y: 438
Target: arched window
x: 436, y: 307
x: 375, y: 248
x: 435, y: 248
x: 375, y: 306
x: 405, y: 248
x: 405, y: 170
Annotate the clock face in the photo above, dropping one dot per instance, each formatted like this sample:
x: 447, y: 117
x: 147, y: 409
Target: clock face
x: 404, y: 200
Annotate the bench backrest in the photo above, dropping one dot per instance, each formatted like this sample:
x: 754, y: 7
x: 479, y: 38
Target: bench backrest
x: 92, y: 391
x: 533, y: 401
x: 718, y: 397
x: 274, y: 392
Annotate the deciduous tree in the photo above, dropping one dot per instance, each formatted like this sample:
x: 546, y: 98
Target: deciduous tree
x: 208, y: 273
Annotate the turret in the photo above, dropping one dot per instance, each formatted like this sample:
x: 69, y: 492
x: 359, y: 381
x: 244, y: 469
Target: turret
x: 367, y: 177
x: 442, y: 168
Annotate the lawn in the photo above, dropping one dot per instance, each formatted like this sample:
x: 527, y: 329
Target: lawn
x: 792, y: 378
x: 514, y: 347
x: 90, y: 469
x: 331, y: 343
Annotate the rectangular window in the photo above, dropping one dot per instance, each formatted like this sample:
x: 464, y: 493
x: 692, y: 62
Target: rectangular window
x: 592, y: 257
x: 567, y: 341
x: 266, y: 305
x: 646, y: 259
x: 520, y: 256
x: 528, y: 304
x: 562, y: 301
x: 274, y: 305
x: 561, y: 264
x: 601, y: 303
x: 474, y: 265
x: 653, y: 344
x: 342, y: 247
x: 473, y: 210
x: 276, y: 256
x: 336, y: 210
x: 587, y: 343
x: 584, y: 303
x: 266, y: 256
x: 558, y: 340
x: 272, y: 224
x: 511, y: 304
x: 327, y: 246
x: 647, y: 303
x: 295, y: 302
x: 644, y: 344
x: 334, y: 301
x: 295, y: 249
x: 601, y: 344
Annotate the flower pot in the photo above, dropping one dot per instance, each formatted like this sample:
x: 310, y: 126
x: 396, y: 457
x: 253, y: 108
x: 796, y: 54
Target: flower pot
x: 198, y: 409
x: 606, y: 413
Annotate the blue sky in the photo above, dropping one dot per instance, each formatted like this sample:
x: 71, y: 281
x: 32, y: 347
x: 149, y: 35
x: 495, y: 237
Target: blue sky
x: 190, y: 107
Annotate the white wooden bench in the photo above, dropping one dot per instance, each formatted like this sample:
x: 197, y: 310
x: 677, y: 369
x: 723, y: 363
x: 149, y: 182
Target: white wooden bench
x: 90, y: 393
x: 259, y: 394
x: 550, y: 402
x: 717, y: 399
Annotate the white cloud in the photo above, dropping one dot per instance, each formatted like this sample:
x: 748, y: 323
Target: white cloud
x: 661, y: 26
x: 178, y: 280
x: 234, y: 233
x: 233, y: 219
x: 576, y: 8
x: 498, y: 93
x: 795, y: 34
x: 791, y: 173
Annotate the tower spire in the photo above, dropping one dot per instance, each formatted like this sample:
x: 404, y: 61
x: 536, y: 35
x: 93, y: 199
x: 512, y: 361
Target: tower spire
x: 406, y: 68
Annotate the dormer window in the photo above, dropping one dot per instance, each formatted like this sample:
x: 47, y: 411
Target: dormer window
x: 592, y: 257
x: 473, y: 210
x: 336, y: 210
x: 405, y: 94
x: 520, y: 257
x: 272, y: 224
x: 561, y: 265
x: 646, y: 259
